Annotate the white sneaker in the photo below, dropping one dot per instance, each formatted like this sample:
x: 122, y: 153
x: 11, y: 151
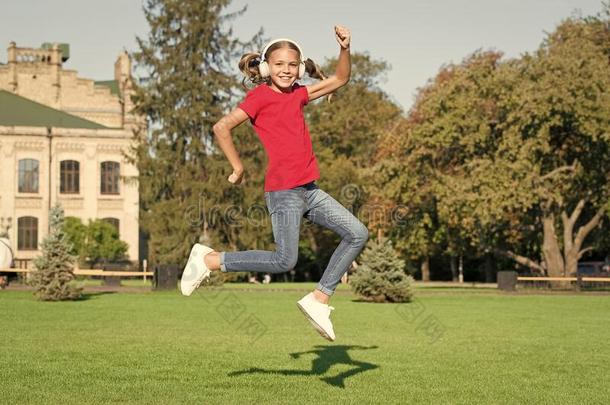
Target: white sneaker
x: 318, y: 314
x: 195, y: 270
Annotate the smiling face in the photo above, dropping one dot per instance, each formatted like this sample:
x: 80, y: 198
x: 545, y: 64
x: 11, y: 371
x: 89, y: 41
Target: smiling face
x: 284, y: 68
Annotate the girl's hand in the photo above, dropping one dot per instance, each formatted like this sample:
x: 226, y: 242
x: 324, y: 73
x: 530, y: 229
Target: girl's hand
x: 343, y: 36
x: 236, y: 177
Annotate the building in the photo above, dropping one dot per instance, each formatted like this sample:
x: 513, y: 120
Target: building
x: 63, y: 139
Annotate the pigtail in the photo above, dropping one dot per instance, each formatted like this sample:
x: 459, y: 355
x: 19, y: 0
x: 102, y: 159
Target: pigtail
x: 248, y: 65
x: 314, y: 71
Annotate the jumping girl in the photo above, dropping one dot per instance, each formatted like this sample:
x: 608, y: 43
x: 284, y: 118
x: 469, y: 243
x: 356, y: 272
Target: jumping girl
x: 275, y: 109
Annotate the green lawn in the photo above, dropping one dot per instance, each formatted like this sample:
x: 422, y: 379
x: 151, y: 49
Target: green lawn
x: 235, y: 346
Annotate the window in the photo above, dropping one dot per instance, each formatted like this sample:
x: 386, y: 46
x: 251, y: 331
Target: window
x: 28, y: 176
x: 110, y: 177
x: 114, y: 222
x: 27, y: 233
x: 69, y: 177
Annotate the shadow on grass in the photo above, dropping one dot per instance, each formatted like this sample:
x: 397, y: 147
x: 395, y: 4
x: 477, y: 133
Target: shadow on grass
x: 326, y: 357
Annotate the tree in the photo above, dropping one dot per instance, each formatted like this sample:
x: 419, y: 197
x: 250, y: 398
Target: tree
x: 75, y: 232
x: 54, y: 272
x: 516, y: 154
x: 102, y: 243
x: 97, y: 241
x: 381, y: 276
x: 563, y: 103
x: 184, y: 193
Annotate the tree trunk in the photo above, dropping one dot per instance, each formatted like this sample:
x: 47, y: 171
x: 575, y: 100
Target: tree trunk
x: 489, y: 269
x: 461, y: 269
x: 573, y: 244
x: 550, y: 248
x: 558, y: 263
x: 570, y: 251
x: 425, y: 269
x: 316, y: 250
x: 454, y: 268
x: 566, y: 265
x: 312, y: 240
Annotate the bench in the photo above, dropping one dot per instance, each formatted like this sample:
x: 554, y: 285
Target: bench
x: 593, y: 279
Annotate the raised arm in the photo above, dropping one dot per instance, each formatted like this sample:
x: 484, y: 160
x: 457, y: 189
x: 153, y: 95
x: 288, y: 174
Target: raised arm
x: 342, y: 71
x: 222, y: 130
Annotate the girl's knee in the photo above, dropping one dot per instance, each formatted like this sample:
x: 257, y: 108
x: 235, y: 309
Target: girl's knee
x: 286, y: 262
x: 360, y: 233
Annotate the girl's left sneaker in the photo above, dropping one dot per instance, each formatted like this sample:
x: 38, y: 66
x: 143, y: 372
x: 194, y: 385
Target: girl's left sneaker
x: 195, y: 270
x: 318, y: 315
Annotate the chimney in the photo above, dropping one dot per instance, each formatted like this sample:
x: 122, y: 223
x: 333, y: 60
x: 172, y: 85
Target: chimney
x: 122, y: 68
x: 122, y: 75
x: 55, y: 68
x: 12, y: 66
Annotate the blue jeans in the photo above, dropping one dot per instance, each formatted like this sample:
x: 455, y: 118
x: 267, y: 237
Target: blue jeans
x: 287, y: 208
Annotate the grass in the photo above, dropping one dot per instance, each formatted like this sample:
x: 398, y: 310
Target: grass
x: 235, y: 346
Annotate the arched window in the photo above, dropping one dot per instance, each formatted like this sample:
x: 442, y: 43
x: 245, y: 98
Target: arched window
x: 114, y: 222
x: 28, y: 176
x: 69, y: 177
x: 27, y: 233
x: 110, y: 174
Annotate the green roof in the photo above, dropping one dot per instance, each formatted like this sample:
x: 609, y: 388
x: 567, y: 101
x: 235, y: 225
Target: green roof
x: 112, y: 84
x: 20, y: 111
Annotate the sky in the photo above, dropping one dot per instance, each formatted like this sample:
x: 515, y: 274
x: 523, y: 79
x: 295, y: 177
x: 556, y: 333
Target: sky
x: 414, y: 37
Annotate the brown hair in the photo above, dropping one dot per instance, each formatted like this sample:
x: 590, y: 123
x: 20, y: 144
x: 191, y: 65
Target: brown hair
x: 248, y: 64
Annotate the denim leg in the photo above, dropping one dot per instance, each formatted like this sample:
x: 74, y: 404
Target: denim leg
x: 286, y: 208
x: 326, y: 211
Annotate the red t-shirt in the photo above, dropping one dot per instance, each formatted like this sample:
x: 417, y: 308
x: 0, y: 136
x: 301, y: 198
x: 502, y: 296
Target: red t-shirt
x: 278, y: 120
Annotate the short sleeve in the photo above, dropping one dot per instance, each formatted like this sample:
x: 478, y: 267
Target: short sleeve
x: 303, y: 94
x: 251, y: 104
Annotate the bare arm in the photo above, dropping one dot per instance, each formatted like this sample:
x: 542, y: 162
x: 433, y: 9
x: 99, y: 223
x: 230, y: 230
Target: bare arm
x: 222, y: 130
x: 342, y: 71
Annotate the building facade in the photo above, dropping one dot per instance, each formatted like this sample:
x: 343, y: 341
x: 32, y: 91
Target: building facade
x: 64, y: 139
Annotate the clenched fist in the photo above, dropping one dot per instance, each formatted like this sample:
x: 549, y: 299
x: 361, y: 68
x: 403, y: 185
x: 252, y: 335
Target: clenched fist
x: 343, y: 36
x: 236, y: 177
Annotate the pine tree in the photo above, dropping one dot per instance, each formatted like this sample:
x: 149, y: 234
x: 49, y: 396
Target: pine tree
x: 189, y: 60
x: 51, y: 280
x: 382, y: 277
